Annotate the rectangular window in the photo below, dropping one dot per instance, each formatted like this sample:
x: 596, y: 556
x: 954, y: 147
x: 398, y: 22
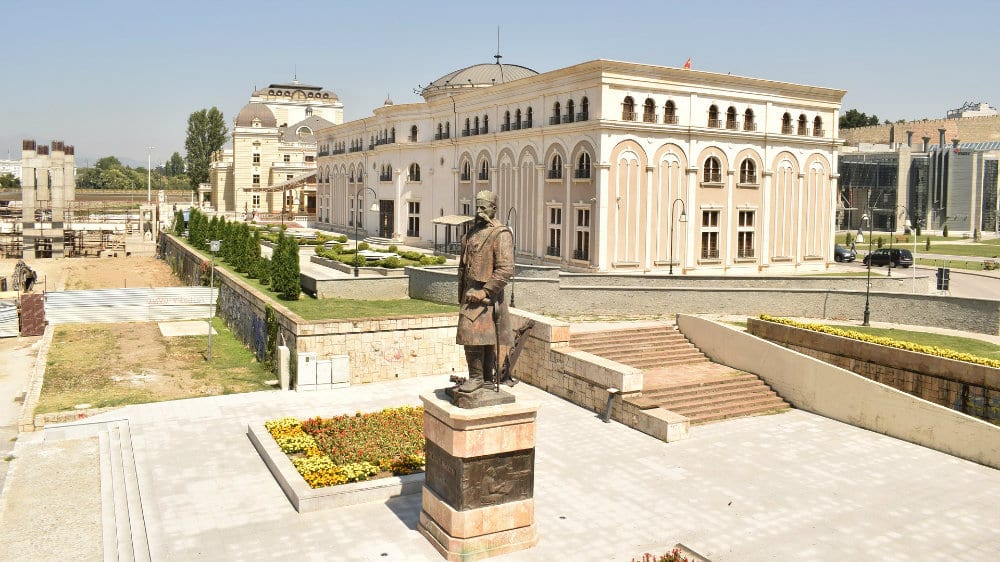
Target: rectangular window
x: 350, y: 214
x: 256, y: 179
x: 555, y: 232
x: 255, y: 201
x: 256, y: 158
x: 744, y: 235
x: 582, y: 251
x: 710, y: 235
x: 413, y: 221
x: 287, y: 158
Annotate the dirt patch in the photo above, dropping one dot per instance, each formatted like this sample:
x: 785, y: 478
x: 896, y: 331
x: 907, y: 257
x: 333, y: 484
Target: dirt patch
x: 97, y: 273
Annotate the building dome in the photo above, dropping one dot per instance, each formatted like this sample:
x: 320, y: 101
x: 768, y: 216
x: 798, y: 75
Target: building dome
x: 256, y: 112
x: 475, y: 76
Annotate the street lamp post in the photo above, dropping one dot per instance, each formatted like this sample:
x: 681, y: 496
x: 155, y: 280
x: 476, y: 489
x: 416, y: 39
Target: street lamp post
x: 514, y: 236
x: 909, y: 224
x: 149, y: 174
x: 358, y: 199
x: 213, y: 246
x: 682, y: 218
x: 868, y: 286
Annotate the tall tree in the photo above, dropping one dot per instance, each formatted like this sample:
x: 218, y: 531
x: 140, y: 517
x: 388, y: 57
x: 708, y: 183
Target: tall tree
x: 9, y: 181
x: 854, y: 118
x: 206, y: 133
x: 174, y: 166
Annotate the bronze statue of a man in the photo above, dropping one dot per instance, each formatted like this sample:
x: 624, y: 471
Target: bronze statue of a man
x: 485, y: 268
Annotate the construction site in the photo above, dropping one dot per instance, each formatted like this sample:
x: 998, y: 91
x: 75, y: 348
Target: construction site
x: 47, y: 221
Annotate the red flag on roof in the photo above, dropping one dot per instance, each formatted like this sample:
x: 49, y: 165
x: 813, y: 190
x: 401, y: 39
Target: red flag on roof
x: 687, y: 65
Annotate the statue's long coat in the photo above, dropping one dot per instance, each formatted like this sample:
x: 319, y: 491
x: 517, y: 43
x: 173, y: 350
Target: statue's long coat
x: 487, y: 263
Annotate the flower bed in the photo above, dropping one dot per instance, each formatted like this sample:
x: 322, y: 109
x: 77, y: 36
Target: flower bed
x: 342, y: 449
x: 880, y: 340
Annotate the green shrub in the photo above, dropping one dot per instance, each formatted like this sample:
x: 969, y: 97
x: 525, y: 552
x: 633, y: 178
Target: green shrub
x: 411, y: 255
x: 391, y: 262
x: 944, y: 231
x: 879, y: 241
x: 394, y: 249
x: 362, y: 246
x: 342, y: 238
x: 917, y: 231
x: 927, y: 244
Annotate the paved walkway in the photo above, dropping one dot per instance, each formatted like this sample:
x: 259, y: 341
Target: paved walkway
x: 791, y: 486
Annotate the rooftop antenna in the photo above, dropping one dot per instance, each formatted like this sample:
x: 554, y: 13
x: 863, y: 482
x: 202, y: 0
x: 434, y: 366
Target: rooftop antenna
x: 295, y: 74
x: 498, y: 56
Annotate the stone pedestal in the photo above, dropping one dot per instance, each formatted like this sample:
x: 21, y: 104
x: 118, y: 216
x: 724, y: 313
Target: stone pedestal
x: 479, y: 482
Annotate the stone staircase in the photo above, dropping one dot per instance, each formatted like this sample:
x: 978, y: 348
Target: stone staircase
x: 121, y: 503
x: 677, y: 376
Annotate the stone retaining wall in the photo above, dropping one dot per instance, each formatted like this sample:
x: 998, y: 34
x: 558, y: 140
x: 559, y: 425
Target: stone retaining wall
x: 967, y: 387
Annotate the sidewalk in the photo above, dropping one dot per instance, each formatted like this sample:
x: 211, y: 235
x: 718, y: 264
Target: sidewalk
x: 792, y: 486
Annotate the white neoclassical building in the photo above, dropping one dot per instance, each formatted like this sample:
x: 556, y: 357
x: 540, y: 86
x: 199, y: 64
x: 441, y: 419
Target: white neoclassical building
x: 601, y: 166
x: 271, y: 165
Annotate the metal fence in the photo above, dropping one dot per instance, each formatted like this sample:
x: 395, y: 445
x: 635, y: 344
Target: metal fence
x: 157, y: 304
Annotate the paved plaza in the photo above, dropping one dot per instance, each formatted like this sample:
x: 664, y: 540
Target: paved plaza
x: 791, y: 486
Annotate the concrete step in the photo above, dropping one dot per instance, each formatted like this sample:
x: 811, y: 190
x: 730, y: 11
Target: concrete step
x: 754, y: 409
x: 722, y: 391
x: 121, y: 506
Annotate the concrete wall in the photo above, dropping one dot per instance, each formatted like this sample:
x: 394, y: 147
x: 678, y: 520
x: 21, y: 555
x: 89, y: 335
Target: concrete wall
x: 966, y: 129
x: 368, y: 288
x: 624, y: 295
x: 827, y: 390
x: 967, y: 387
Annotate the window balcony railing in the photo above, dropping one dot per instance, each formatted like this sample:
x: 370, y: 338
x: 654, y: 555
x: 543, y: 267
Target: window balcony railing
x: 504, y: 127
x: 670, y: 119
x: 526, y: 124
x: 709, y: 254
x: 385, y: 177
x: 582, y: 116
x: 713, y: 177
x: 819, y: 133
x: 568, y: 118
x: 465, y: 132
x: 554, y: 174
x: 731, y: 125
x: 371, y: 146
x: 749, y: 179
x: 629, y: 115
x: 552, y: 251
x: 714, y: 123
x: 749, y: 126
x: 554, y: 120
x: 581, y: 173
x: 787, y: 129
x: 484, y: 176
x: 649, y: 118
x: 485, y: 129
x: 515, y: 126
x: 745, y: 254
x: 322, y: 153
x: 581, y: 255
x: 803, y: 131
x: 465, y: 176
x: 438, y: 136
x: 413, y: 138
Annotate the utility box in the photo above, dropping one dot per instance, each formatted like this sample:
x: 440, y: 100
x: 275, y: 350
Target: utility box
x: 322, y: 374
x: 942, y: 278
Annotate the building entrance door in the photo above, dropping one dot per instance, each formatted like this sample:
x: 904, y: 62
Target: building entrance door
x: 386, y: 212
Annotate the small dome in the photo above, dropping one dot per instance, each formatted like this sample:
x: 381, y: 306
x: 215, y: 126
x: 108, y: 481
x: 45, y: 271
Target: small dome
x: 256, y: 111
x: 476, y: 76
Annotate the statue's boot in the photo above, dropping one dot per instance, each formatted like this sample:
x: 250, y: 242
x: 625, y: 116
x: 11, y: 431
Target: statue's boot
x: 474, y: 357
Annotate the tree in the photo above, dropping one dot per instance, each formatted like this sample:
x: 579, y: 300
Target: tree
x: 174, y: 166
x: 206, y: 134
x: 854, y: 118
x: 285, y: 268
x: 8, y: 181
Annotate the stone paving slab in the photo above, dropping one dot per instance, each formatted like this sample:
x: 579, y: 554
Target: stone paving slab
x: 791, y: 486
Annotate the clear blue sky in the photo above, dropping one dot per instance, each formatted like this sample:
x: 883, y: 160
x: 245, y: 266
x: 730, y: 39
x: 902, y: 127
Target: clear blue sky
x: 113, y: 77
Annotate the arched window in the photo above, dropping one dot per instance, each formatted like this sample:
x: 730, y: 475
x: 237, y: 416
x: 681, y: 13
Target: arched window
x: 517, y: 119
x: 484, y: 171
x: 731, y: 118
x: 414, y: 172
x: 555, y: 167
x: 670, y: 113
x: 413, y: 133
x: 628, y: 109
x: 818, y: 126
x: 465, y: 132
x: 713, y: 116
x: 447, y: 129
x: 713, y: 170
x: 466, y: 171
x: 570, y: 108
x: 748, y: 124
x: 528, y: 119
x: 506, y: 121
x: 440, y: 130
x: 748, y: 171
x: 786, y: 124
x: 392, y: 136
x: 583, y: 166
x: 803, y: 128
x: 475, y: 128
x: 584, y: 109
x: 649, y: 111
x: 486, y: 124
x: 556, y: 108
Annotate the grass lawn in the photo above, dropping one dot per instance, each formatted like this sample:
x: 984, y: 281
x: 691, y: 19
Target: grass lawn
x: 107, y: 365
x: 955, y: 343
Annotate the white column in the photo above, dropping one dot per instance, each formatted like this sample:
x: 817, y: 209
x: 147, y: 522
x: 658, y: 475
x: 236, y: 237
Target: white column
x: 599, y: 222
x: 765, y: 219
x: 688, y: 259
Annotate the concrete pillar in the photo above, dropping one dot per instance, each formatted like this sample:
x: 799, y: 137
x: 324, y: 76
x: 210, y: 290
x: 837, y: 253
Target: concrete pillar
x: 927, y: 143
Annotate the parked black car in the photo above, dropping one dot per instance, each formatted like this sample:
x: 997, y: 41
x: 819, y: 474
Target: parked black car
x: 841, y: 253
x: 885, y: 256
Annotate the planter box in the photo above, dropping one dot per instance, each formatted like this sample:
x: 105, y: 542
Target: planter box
x: 306, y: 499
